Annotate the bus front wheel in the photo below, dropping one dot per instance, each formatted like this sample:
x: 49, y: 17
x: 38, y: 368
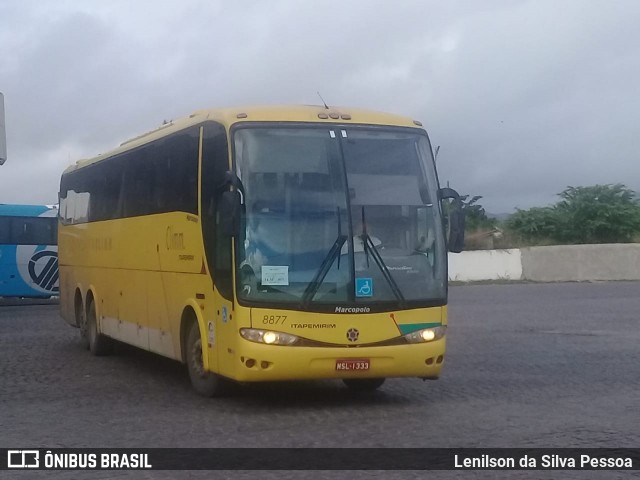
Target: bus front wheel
x: 205, y: 383
x: 98, y: 344
x: 363, y: 384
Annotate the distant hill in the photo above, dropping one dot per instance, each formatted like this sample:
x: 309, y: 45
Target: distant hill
x: 499, y: 216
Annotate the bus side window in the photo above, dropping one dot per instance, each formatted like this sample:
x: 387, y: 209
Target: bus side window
x: 20, y: 232
x: 32, y: 231
x: 54, y: 231
x: 179, y: 155
x: 5, y: 229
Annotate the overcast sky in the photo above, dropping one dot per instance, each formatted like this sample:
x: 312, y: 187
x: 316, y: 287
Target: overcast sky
x: 524, y: 97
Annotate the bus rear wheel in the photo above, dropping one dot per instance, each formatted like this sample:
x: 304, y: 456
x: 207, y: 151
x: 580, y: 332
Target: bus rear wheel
x: 363, y: 384
x: 205, y: 383
x: 98, y: 344
x: 81, y: 322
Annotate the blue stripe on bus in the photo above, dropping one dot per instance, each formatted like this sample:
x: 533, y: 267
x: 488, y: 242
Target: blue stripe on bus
x: 23, y: 210
x: 412, y: 327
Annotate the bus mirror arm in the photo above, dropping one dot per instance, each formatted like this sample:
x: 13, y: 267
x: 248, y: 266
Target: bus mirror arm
x: 231, y: 180
x: 448, y: 193
x: 456, y: 214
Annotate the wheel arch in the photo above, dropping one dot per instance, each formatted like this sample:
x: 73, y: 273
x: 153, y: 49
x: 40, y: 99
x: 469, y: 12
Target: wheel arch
x: 191, y: 313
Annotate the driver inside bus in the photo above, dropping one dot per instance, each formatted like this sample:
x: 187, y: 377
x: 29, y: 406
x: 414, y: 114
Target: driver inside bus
x: 358, y: 236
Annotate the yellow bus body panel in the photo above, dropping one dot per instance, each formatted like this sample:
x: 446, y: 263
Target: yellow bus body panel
x: 144, y: 271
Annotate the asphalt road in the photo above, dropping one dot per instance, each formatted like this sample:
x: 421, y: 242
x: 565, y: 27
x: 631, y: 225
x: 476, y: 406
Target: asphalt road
x: 528, y: 365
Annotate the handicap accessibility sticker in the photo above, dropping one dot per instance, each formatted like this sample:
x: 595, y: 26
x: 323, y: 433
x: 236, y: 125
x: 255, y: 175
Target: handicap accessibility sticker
x: 364, y: 287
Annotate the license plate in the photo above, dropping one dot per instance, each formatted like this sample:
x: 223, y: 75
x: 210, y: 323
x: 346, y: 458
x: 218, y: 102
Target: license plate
x: 353, y: 364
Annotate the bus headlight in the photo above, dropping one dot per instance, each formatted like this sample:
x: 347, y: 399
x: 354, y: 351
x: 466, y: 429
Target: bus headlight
x: 268, y: 337
x: 426, y: 335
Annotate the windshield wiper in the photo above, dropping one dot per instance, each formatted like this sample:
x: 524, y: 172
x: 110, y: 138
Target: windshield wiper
x: 325, y: 266
x: 369, y: 247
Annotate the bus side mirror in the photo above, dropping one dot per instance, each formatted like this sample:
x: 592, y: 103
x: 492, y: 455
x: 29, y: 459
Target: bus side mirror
x: 455, y: 219
x: 229, y: 213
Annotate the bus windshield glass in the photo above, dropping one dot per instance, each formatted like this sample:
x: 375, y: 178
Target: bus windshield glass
x: 338, y: 215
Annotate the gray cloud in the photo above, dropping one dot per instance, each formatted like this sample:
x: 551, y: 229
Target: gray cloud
x: 525, y: 97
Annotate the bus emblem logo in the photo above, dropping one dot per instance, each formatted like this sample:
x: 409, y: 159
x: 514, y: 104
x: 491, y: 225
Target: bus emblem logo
x: 43, y: 270
x: 353, y: 334
x: 23, y: 459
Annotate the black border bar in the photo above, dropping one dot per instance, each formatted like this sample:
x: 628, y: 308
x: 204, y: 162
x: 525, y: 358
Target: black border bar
x: 320, y: 459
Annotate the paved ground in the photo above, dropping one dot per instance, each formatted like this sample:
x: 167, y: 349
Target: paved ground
x: 528, y: 365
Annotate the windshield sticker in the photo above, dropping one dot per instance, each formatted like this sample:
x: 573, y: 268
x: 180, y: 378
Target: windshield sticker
x: 275, y: 275
x: 364, y: 287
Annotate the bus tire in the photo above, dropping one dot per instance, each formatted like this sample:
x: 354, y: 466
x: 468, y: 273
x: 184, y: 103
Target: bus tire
x: 99, y: 344
x: 81, y: 321
x: 363, y: 384
x: 207, y: 384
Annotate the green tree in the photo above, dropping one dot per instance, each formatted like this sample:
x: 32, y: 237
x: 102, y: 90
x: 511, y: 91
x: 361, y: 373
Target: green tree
x: 475, y: 214
x: 534, y: 225
x: 598, y: 214
x: 595, y: 214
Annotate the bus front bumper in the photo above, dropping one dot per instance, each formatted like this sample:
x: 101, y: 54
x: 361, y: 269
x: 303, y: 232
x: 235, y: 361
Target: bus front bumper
x: 258, y: 362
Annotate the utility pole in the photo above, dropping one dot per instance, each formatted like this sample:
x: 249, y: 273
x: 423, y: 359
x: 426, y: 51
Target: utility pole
x: 3, y: 134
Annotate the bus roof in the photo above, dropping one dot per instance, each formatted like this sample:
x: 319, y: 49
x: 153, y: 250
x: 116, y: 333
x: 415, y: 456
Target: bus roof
x: 10, y: 210
x: 279, y: 113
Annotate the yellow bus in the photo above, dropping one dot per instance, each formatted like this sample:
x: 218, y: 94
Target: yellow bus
x: 264, y: 244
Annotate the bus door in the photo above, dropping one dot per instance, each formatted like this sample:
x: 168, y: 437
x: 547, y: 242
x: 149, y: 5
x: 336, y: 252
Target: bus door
x: 220, y: 320
x: 226, y: 323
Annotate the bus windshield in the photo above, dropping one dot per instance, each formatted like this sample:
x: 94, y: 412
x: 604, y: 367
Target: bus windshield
x: 338, y: 215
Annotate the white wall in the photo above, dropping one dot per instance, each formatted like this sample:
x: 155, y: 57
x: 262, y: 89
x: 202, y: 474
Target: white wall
x: 478, y: 265
x: 563, y: 263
